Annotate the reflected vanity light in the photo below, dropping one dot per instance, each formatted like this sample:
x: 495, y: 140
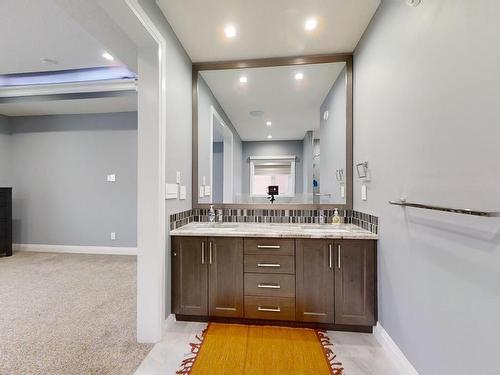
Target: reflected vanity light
x: 269, y: 136
x: 310, y: 24
x: 243, y: 79
x: 230, y: 31
x: 299, y: 76
x: 269, y: 123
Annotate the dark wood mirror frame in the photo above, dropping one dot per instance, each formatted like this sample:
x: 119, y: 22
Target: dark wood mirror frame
x: 272, y: 62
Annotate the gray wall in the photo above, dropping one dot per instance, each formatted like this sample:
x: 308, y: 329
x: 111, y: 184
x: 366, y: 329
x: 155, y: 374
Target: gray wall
x: 206, y: 100
x: 333, y: 138
x: 307, y: 162
x: 59, y: 166
x: 271, y: 148
x: 426, y: 119
x: 5, y: 175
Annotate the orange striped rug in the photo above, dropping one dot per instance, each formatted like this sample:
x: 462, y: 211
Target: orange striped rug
x: 233, y: 349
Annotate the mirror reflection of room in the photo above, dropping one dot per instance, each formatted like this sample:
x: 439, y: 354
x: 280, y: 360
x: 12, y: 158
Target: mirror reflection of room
x: 274, y: 134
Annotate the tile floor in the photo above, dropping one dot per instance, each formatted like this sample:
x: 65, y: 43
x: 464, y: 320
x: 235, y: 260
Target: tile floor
x: 359, y: 353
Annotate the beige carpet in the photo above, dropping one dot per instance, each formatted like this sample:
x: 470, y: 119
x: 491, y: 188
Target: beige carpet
x: 68, y: 314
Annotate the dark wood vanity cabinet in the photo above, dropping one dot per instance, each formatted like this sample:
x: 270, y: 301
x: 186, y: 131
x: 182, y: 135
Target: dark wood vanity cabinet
x: 315, y: 281
x: 355, y: 282
x: 190, y: 276
x: 225, y: 270
x: 336, y: 282
x: 207, y: 276
x: 330, y: 283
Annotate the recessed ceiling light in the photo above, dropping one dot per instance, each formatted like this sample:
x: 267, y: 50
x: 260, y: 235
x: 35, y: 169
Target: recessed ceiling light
x: 269, y: 136
x: 269, y: 123
x: 311, y: 24
x: 230, y: 31
x: 299, y: 76
x: 243, y: 79
x: 108, y: 56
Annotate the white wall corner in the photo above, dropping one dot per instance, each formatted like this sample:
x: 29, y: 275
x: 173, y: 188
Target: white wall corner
x: 395, y: 354
x: 100, y: 250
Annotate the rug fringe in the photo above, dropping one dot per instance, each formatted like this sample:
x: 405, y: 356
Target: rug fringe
x: 187, y: 364
x: 335, y: 366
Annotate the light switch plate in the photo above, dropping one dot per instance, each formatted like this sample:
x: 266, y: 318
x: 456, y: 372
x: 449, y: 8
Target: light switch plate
x: 203, y: 181
x: 182, y: 192
x: 208, y: 190
x: 178, y: 177
x: 363, y: 192
x: 171, y: 191
x: 111, y: 178
x: 202, y: 192
x: 113, y: 236
x: 342, y: 191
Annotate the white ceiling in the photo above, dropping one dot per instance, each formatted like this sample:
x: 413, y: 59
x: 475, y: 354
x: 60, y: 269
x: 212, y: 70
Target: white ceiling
x: 267, y: 28
x: 35, y: 29
x: 293, y: 106
x: 75, y: 106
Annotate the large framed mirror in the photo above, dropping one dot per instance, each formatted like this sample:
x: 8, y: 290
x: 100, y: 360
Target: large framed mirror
x: 273, y: 133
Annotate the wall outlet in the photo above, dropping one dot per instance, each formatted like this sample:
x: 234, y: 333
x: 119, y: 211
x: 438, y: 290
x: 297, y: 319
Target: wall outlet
x: 178, y: 177
x: 363, y: 192
x: 113, y: 236
x: 111, y: 178
x: 342, y: 191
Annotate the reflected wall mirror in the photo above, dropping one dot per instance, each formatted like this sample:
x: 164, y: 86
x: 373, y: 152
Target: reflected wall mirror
x: 273, y: 133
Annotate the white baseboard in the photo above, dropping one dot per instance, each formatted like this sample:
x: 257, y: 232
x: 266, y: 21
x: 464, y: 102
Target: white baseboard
x: 107, y: 250
x: 170, y: 319
x: 404, y: 366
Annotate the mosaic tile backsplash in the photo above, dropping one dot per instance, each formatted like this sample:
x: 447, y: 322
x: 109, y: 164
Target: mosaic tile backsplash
x: 244, y: 215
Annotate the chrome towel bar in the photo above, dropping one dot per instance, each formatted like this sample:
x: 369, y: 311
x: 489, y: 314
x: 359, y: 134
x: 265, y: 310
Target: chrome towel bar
x: 464, y: 211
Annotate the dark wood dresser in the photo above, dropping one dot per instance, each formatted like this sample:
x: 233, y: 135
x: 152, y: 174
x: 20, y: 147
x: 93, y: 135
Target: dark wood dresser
x: 5, y: 221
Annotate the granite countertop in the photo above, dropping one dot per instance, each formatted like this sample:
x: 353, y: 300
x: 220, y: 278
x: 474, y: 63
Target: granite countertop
x: 337, y: 231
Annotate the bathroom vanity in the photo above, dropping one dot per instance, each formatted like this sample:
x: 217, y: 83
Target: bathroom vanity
x: 307, y: 275
x: 272, y: 144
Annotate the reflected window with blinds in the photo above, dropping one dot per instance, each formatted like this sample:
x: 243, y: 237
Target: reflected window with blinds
x: 272, y: 170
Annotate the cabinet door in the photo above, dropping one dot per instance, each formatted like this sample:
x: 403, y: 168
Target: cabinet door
x: 315, y: 281
x: 190, y: 276
x: 225, y: 277
x: 355, y: 282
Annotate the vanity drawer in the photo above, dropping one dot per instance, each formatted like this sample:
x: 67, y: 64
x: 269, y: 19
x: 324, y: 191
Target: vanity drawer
x: 270, y: 246
x: 269, y: 285
x: 269, y: 264
x: 270, y: 308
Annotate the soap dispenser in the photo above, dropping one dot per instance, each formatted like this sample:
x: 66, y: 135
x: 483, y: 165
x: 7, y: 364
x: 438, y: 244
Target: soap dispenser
x: 336, y: 218
x: 211, y: 214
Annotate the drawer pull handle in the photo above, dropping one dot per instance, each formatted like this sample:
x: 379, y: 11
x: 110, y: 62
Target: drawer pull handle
x: 269, y: 309
x: 274, y: 265
x: 269, y: 286
x: 314, y: 314
x: 225, y: 308
x: 268, y: 247
x: 203, y: 252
